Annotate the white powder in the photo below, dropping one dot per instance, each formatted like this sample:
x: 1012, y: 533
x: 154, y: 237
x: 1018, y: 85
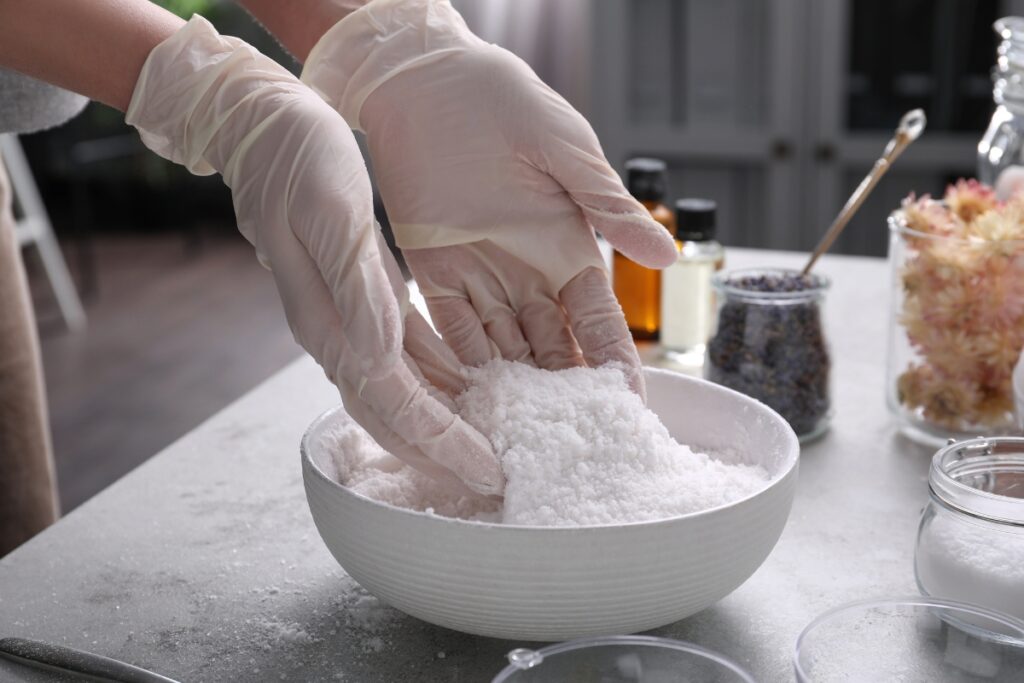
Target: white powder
x: 367, y: 620
x: 277, y: 632
x: 366, y: 468
x: 973, y: 562
x: 367, y: 614
x: 577, y: 447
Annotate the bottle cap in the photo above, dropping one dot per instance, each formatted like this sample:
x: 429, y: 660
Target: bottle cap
x: 695, y: 220
x: 646, y: 179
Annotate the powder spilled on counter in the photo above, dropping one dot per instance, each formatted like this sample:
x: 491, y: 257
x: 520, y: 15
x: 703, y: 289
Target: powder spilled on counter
x: 577, y: 447
x: 368, y: 620
x: 276, y: 632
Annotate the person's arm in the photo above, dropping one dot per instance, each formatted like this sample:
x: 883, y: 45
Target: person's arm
x: 96, y: 48
x: 299, y: 24
x: 302, y: 198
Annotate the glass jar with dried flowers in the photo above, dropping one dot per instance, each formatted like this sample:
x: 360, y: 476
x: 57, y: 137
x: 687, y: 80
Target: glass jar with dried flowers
x: 957, y: 313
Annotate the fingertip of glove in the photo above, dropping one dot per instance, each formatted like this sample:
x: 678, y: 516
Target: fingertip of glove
x: 655, y: 247
x: 641, y: 239
x: 477, y: 465
x: 488, y: 487
x: 483, y: 474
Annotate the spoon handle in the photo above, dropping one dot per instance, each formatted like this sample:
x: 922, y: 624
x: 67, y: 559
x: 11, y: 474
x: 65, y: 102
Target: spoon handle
x: 911, y: 126
x: 48, y: 656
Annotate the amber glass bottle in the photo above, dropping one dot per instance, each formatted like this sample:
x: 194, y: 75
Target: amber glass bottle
x: 638, y: 289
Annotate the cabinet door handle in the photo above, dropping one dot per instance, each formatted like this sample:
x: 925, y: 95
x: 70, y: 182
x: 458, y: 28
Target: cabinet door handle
x: 781, y: 149
x: 824, y: 152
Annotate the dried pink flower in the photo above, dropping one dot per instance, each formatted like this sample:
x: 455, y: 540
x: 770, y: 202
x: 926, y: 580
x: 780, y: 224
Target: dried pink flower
x: 963, y: 305
x: 969, y: 199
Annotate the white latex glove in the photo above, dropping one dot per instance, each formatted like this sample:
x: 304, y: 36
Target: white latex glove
x: 303, y: 199
x: 494, y: 185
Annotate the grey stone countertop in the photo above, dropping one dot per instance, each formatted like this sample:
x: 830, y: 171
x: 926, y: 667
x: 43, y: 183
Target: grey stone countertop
x: 204, y: 565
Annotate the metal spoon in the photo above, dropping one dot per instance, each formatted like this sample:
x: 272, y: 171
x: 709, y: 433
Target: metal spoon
x: 911, y: 126
x: 77, y: 662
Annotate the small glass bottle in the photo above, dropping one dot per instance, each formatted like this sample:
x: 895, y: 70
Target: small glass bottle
x: 637, y: 288
x: 1002, y: 147
x: 687, y: 298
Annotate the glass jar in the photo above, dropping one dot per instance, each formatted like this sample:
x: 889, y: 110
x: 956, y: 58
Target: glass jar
x: 970, y: 545
x: 769, y: 343
x: 1002, y: 146
x: 956, y: 329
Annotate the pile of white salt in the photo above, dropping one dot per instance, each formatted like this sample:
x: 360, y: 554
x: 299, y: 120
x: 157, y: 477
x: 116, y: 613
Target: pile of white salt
x: 577, y: 448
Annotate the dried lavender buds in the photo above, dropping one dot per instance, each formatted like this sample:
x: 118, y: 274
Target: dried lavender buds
x: 769, y: 344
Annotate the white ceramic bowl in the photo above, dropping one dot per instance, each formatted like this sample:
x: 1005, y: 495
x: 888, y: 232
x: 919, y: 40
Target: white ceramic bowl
x: 545, y: 584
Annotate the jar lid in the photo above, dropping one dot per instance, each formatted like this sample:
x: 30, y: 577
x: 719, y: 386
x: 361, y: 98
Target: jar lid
x: 982, y: 477
x: 646, y: 178
x: 695, y: 219
x: 619, y: 658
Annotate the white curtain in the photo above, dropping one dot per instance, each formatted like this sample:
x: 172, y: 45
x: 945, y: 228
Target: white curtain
x: 552, y: 36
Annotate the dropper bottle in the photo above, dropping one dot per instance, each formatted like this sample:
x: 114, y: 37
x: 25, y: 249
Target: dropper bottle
x: 687, y: 298
x: 637, y: 288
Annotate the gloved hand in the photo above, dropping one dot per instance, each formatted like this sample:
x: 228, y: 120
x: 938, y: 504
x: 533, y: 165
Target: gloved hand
x: 494, y: 185
x: 302, y: 198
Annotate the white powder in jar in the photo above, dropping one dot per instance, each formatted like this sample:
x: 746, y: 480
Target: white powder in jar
x: 577, y: 447
x: 973, y: 561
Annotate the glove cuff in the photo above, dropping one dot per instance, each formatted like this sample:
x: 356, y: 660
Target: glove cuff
x: 374, y: 43
x: 190, y: 85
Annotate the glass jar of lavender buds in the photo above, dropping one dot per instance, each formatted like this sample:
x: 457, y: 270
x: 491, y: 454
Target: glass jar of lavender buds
x: 970, y: 544
x: 769, y: 343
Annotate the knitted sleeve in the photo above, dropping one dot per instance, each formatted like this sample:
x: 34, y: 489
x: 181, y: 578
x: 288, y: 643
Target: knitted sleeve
x: 28, y: 105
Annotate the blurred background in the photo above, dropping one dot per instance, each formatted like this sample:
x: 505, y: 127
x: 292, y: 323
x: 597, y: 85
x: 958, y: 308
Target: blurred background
x: 774, y: 108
